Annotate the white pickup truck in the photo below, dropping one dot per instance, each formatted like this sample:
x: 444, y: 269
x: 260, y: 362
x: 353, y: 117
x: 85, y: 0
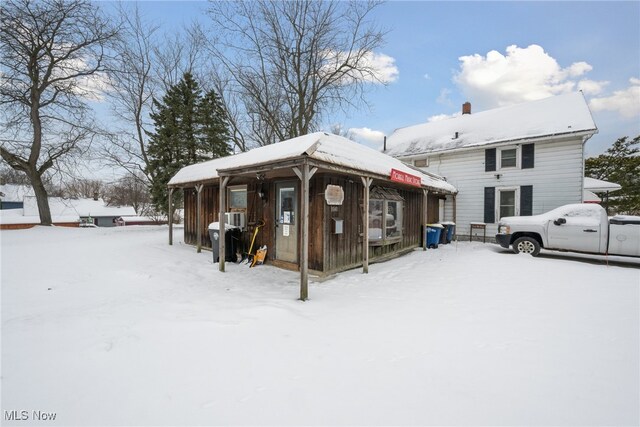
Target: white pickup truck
x: 579, y: 228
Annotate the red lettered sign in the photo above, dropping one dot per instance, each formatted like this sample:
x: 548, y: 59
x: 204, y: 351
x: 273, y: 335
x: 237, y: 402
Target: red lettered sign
x: 405, y: 178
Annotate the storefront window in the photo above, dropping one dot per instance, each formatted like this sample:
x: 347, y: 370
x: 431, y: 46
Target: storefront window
x: 393, y: 224
x: 385, y: 220
x: 376, y: 208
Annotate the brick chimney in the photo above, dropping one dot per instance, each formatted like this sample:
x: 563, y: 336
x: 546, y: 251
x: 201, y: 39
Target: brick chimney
x: 466, y: 108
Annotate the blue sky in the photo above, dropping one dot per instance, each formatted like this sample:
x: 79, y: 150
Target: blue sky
x: 555, y: 47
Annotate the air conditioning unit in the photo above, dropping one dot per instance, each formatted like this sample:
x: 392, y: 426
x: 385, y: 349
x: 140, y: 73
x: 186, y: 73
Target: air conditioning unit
x: 237, y: 219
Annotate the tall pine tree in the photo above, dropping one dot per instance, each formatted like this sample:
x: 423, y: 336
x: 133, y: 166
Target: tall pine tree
x: 620, y: 164
x: 189, y: 128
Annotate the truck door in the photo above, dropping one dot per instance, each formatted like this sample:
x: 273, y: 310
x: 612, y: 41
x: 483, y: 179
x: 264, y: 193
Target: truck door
x: 581, y: 234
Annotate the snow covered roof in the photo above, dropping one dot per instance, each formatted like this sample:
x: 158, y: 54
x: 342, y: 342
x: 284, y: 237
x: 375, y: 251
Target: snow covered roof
x: 77, y: 207
x: 599, y: 185
x: 321, y: 146
x: 589, y: 197
x: 94, y: 208
x: 17, y: 216
x: 558, y: 115
x: 14, y: 193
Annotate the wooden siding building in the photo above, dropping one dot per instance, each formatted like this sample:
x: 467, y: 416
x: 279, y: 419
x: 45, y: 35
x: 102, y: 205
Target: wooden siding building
x: 327, y: 203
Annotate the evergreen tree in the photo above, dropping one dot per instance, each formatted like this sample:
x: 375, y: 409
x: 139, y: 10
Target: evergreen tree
x: 214, y: 129
x: 619, y: 164
x: 189, y: 128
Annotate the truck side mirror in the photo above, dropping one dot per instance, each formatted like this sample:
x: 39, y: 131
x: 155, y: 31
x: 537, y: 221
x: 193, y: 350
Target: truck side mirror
x: 560, y: 221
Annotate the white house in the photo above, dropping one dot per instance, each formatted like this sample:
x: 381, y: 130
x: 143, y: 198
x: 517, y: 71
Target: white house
x: 524, y: 159
x: 68, y: 212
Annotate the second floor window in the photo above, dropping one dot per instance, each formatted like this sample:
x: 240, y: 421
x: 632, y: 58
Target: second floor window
x: 508, y: 158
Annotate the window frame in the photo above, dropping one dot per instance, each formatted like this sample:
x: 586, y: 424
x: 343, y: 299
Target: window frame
x: 499, y: 158
x: 516, y: 201
x: 233, y: 188
x: 424, y: 159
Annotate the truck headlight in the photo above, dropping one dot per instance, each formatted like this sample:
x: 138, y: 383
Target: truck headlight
x: 504, y: 229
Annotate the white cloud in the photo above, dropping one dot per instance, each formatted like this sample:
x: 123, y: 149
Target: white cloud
x: 522, y: 74
x: 625, y: 102
x: 440, y: 117
x: 591, y: 87
x: 367, y: 134
x: 427, y: 76
x: 578, y: 68
x: 376, y: 67
x: 369, y: 137
x: 383, y: 66
x: 91, y: 87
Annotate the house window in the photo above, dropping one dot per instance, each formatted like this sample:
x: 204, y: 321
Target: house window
x: 507, y: 202
x: 421, y: 163
x: 508, y: 158
x: 237, y: 197
x: 385, y: 216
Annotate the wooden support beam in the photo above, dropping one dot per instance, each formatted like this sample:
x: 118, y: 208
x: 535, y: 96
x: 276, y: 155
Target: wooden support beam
x: 425, y: 219
x: 223, y: 199
x: 199, y: 218
x: 170, y: 216
x: 455, y: 221
x: 304, y: 259
x: 366, y: 182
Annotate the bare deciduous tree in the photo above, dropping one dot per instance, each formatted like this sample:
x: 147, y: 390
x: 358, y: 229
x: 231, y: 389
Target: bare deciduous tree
x: 133, y: 82
x: 84, y: 189
x: 286, y: 64
x: 129, y: 191
x: 51, y: 52
x: 147, y: 64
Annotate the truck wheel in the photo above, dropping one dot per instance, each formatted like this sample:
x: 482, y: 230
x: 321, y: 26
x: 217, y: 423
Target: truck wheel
x: 526, y: 245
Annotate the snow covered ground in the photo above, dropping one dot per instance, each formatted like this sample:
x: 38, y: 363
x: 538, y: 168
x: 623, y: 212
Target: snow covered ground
x: 115, y: 327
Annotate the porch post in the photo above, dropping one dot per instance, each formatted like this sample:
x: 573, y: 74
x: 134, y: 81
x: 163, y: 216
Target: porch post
x: 304, y: 267
x: 170, y: 217
x: 199, y: 218
x: 305, y: 175
x: 223, y: 208
x: 455, y: 230
x: 425, y: 219
x: 366, y: 182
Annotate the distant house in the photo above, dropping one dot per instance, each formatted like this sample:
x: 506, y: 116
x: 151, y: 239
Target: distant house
x: 524, y: 159
x: 139, y: 220
x: 64, y: 212
x: 12, y: 195
x: 95, y: 211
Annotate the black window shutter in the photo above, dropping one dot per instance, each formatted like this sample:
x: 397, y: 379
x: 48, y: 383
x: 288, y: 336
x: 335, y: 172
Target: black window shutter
x: 489, y: 159
x: 489, y: 204
x: 526, y: 200
x: 528, y: 152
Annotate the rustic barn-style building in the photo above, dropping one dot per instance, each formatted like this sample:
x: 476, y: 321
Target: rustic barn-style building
x: 328, y: 203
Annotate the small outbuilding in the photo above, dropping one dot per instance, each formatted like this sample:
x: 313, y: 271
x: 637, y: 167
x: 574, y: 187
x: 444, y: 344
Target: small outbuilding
x: 327, y: 203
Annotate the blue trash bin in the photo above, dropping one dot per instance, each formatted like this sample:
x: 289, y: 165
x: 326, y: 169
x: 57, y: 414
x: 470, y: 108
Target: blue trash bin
x: 450, y: 228
x: 433, y: 235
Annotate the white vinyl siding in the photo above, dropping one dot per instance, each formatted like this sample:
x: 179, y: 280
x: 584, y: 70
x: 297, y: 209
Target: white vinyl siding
x: 556, y: 180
